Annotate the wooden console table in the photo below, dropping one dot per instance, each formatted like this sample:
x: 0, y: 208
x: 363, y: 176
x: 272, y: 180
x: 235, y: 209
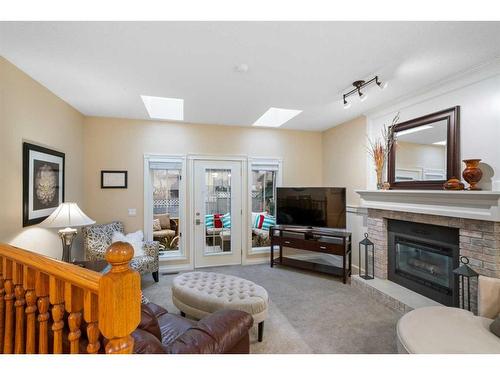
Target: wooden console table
x: 327, y: 241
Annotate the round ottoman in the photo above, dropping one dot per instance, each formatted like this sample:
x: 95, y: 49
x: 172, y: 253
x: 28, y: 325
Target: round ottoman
x: 201, y: 293
x: 445, y: 330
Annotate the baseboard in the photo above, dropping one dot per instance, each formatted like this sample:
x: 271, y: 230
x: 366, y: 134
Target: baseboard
x: 250, y: 261
x: 175, y: 268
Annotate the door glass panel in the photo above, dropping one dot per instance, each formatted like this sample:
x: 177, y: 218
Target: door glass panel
x: 166, y: 197
x: 217, y: 211
x: 263, y: 206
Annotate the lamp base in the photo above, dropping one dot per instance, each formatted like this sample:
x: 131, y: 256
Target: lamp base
x: 67, y: 236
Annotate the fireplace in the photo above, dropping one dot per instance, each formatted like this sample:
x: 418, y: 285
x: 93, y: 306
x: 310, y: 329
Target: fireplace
x: 422, y: 257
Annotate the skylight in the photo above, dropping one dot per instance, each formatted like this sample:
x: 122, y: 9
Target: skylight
x: 164, y: 108
x: 414, y: 130
x: 275, y: 117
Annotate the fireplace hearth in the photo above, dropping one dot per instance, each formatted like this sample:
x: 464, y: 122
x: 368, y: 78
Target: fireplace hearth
x: 421, y: 257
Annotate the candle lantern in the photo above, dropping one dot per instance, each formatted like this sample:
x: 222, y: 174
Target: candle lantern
x: 465, y: 274
x: 367, y: 248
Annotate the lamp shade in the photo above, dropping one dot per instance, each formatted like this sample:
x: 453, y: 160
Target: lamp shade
x: 67, y: 215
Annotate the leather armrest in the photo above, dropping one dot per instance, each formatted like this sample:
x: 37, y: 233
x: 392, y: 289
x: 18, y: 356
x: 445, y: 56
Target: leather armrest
x: 146, y: 343
x: 217, y: 333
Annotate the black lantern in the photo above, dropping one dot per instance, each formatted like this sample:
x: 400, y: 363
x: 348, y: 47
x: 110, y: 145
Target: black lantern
x: 465, y: 272
x: 368, y: 248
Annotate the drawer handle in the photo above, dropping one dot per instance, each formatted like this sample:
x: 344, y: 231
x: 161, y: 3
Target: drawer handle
x: 323, y: 247
x: 287, y: 242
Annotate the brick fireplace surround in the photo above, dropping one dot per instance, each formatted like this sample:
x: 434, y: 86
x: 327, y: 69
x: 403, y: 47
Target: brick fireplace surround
x: 479, y: 240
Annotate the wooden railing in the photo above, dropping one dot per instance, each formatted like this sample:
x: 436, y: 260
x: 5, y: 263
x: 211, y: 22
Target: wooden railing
x: 45, y: 304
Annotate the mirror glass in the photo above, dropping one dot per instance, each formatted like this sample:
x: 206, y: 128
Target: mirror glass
x: 421, y: 152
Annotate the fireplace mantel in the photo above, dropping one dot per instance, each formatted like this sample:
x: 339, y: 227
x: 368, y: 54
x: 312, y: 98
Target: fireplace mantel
x: 480, y: 205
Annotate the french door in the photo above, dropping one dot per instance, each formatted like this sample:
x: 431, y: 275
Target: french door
x: 217, y: 212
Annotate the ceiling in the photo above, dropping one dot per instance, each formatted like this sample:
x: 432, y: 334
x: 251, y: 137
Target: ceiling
x: 102, y: 68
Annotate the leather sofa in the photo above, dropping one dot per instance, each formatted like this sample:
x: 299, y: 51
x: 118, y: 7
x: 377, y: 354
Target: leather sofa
x: 159, y: 332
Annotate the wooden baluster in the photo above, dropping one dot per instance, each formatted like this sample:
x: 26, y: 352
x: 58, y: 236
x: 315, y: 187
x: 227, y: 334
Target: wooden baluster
x: 119, y: 300
x: 56, y: 297
x: 29, y: 278
x: 19, y: 291
x: 90, y: 314
x: 73, y: 298
x: 42, y: 292
x: 9, y: 307
x: 2, y: 306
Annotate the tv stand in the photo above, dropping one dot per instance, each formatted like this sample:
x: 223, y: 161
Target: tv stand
x: 327, y: 241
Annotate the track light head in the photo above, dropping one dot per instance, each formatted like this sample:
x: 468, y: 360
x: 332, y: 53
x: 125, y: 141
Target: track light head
x: 382, y: 85
x: 362, y: 97
x: 346, y: 104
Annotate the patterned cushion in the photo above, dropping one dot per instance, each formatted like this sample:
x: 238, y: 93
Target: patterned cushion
x: 156, y: 224
x: 97, y: 238
x: 226, y: 220
x: 259, y: 220
x: 209, y: 221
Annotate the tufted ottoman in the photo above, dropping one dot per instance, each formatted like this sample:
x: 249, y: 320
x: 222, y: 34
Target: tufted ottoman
x: 201, y: 293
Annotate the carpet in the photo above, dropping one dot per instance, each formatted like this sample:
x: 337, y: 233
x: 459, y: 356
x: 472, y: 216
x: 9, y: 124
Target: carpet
x: 308, y: 312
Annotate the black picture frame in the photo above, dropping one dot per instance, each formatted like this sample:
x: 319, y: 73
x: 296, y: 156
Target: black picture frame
x: 125, y: 179
x: 49, y: 165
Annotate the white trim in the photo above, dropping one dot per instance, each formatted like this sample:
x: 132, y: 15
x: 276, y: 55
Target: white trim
x: 279, y: 182
x: 173, y: 255
x: 480, y: 205
x: 174, y: 268
x: 252, y: 261
x: 148, y: 201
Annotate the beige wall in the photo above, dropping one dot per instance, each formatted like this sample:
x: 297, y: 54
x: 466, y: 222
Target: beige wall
x: 121, y: 144
x: 344, y: 157
x: 30, y: 112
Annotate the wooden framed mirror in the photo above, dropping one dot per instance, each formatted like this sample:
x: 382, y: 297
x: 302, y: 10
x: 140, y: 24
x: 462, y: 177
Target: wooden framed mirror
x: 425, y: 151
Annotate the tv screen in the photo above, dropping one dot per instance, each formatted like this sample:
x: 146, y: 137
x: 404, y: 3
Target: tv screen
x: 311, y: 207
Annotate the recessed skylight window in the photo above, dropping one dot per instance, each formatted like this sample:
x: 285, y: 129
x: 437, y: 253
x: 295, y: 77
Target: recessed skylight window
x: 164, y: 108
x: 414, y: 130
x: 275, y: 117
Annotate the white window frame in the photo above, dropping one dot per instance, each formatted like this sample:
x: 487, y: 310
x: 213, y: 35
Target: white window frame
x: 254, y: 162
x: 148, y: 202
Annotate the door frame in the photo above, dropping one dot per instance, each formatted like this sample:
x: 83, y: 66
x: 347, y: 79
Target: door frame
x: 182, y: 253
x: 191, y: 192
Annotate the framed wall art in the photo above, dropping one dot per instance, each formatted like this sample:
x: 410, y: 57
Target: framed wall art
x: 114, y: 179
x: 43, y: 182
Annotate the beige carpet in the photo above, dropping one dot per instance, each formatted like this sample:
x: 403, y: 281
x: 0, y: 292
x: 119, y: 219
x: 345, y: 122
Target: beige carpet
x: 308, y: 313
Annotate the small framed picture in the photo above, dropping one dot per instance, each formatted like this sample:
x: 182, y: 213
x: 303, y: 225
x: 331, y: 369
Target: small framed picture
x: 114, y: 179
x: 43, y: 182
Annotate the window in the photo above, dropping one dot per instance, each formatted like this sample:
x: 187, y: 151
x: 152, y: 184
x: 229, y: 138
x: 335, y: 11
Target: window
x: 165, y: 204
x: 264, y: 177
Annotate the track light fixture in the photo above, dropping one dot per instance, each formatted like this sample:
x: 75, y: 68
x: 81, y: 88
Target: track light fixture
x: 358, y: 85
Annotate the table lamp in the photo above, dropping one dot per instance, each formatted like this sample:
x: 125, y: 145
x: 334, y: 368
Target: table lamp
x: 67, y: 216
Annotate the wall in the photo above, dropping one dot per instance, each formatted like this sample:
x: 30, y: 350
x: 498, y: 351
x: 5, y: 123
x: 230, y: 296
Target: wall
x: 479, y: 99
x: 121, y: 144
x: 29, y: 112
x: 344, y: 157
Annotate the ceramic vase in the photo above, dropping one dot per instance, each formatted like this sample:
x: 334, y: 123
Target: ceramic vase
x: 472, y: 173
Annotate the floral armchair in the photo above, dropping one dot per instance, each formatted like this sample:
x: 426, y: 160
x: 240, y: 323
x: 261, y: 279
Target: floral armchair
x: 97, y: 238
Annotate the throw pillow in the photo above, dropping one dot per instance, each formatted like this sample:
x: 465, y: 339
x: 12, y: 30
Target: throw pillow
x: 268, y: 222
x: 255, y: 216
x: 156, y: 224
x: 217, y: 220
x: 259, y: 220
x: 164, y: 220
x: 226, y: 220
x: 495, y: 326
x: 209, y: 221
x: 135, y: 239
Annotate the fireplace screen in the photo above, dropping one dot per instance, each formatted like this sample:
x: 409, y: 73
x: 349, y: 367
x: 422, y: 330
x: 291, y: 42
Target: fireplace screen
x: 422, y: 257
x: 423, y: 263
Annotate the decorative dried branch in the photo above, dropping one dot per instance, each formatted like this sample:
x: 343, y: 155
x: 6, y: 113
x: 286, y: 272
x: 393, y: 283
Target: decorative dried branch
x: 380, y: 148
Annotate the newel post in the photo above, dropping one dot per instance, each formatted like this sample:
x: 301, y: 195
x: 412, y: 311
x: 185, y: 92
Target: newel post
x: 119, y: 300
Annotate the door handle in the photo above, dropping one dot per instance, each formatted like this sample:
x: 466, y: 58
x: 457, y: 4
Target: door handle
x: 197, y: 221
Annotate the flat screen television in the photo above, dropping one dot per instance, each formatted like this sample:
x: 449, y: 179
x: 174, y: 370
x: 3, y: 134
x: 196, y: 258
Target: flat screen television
x: 323, y: 207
